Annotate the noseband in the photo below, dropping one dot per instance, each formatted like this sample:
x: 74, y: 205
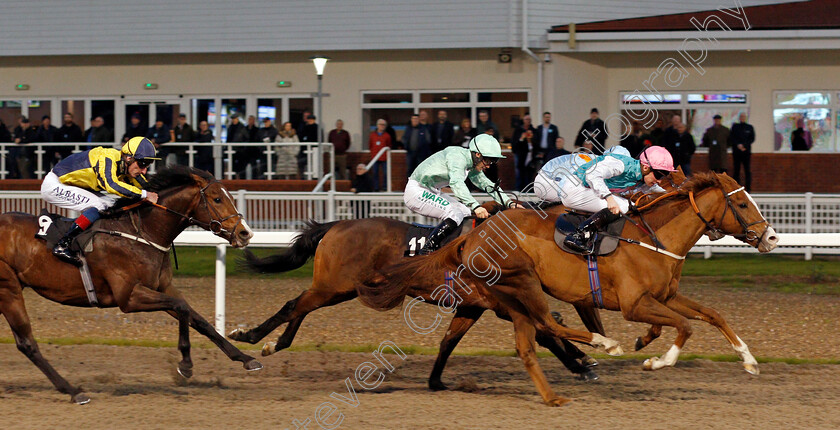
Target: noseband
x: 715, y: 233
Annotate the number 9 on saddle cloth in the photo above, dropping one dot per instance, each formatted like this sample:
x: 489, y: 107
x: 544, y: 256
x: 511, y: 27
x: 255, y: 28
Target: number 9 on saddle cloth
x: 51, y: 228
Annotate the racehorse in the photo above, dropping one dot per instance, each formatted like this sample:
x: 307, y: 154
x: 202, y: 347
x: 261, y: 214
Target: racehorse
x: 128, y: 273
x: 636, y: 281
x: 346, y: 252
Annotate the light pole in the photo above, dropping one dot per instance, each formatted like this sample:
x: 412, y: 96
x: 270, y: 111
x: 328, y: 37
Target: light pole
x: 320, y: 63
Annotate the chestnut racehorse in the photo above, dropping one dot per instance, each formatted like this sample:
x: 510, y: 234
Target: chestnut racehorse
x: 635, y: 280
x: 135, y: 276
x: 346, y: 253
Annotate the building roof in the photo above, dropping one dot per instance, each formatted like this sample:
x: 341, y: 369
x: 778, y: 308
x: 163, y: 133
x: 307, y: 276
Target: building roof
x: 813, y: 14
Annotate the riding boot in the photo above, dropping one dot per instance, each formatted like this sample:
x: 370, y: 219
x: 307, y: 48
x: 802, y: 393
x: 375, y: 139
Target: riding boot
x: 581, y: 239
x: 62, y: 248
x: 437, y: 236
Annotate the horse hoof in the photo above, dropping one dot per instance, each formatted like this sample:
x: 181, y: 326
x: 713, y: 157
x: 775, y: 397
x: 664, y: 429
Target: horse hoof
x: 648, y: 364
x: 253, y: 366
x: 80, y: 399
x: 237, y: 335
x: 588, y: 361
x: 437, y: 386
x: 639, y: 343
x: 268, y: 349
x: 752, y: 369
x: 558, y: 317
x: 588, y: 376
x: 558, y: 401
x: 186, y: 373
x: 615, y: 350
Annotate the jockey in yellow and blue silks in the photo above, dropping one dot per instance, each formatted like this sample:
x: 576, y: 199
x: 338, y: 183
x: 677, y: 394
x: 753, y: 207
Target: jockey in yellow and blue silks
x: 77, y: 181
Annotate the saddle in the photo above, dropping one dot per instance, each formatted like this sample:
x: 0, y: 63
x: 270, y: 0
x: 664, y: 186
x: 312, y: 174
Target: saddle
x: 52, y: 228
x: 606, y: 241
x: 417, y: 235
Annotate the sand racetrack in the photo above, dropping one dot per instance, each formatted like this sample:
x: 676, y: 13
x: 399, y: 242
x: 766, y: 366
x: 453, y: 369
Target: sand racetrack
x: 135, y: 387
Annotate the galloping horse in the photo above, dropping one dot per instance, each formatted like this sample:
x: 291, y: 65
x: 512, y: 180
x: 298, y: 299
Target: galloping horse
x: 346, y: 252
x: 135, y: 276
x: 636, y: 281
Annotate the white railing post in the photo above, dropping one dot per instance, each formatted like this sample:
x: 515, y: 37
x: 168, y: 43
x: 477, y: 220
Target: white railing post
x: 221, y: 250
x: 229, y: 152
x: 39, y: 155
x: 809, y: 221
x: 241, y: 204
x: 191, y: 151
x: 388, y: 170
x: 3, y: 156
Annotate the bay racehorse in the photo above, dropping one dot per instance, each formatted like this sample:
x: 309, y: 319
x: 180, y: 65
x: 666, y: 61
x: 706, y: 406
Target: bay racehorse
x: 134, y: 276
x: 345, y: 253
x: 518, y: 265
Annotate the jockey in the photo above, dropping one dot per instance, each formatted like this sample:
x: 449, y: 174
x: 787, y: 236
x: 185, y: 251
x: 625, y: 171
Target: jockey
x: 76, y: 181
x: 591, y: 188
x: 450, y: 167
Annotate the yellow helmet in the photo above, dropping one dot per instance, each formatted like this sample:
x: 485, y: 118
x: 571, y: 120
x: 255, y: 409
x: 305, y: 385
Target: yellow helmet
x: 140, y: 148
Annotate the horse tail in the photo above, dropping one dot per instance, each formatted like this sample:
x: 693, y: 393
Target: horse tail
x: 303, y: 247
x: 386, y: 289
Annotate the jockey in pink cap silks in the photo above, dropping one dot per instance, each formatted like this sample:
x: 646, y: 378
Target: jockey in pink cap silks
x: 595, y: 185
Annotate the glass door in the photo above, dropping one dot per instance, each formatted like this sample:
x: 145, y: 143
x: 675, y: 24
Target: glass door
x: 153, y: 118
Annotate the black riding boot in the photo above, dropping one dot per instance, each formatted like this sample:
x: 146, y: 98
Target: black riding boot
x: 581, y: 239
x: 437, y: 236
x: 62, y: 248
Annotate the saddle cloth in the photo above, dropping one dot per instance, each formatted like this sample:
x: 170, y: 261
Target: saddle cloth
x: 567, y: 223
x: 53, y: 226
x: 417, y: 235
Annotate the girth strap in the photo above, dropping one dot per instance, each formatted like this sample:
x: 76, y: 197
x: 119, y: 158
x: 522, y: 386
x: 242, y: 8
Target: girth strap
x: 84, y: 270
x: 595, y: 281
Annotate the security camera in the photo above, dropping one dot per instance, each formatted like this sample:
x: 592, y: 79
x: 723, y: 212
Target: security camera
x: 547, y: 58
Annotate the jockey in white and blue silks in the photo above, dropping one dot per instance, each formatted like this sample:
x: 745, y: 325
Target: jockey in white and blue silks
x: 596, y: 187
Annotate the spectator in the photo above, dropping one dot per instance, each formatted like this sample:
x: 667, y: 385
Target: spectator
x: 236, y: 133
x: 544, y: 137
x: 442, y: 132
x: 5, y: 135
x: 521, y: 141
x: 556, y: 150
x: 634, y: 141
x: 670, y: 136
x: 253, y: 130
x: 362, y: 183
x: 657, y: 132
x: 485, y: 125
x: 395, y: 144
x: 340, y: 139
x: 204, y: 159
x: 417, y: 142
x: 98, y: 133
x: 134, y: 129
x: 380, y: 139
x: 268, y: 132
x: 741, y: 137
x: 286, y: 164
x: 716, y: 138
x: 684, y: 149
x: 309, y: 135
x: 24, y: 134
x: 302, y: 124
x: 69, y: 132
x: 252, y: 156
x: 797, y: 140
x: 160, y: 134
x: 464, y: 134
x: 594, y: 131
x: 48, y: 133
x: 182, y: 133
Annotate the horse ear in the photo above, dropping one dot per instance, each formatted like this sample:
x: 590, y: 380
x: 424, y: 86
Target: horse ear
x: 199, y: 180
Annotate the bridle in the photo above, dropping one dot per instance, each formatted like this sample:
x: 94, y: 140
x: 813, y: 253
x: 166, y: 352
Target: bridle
x: 716, y: 233
x: 215, y: 224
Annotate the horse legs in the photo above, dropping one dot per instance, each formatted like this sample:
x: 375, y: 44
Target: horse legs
x: 653, y: 332
x: 204, y: 328
x: 526, y: 349
x: 144, y: 299
x: 569, y: 355
x: 293, y: 312
x: 647, y: 310
x: 691, y: 309
x: 463, y: 320
x: 12, y: 307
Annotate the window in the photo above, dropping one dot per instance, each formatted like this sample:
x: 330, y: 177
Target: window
x: 505, y: 107
x: 651, y: 112
x: 802, y: 121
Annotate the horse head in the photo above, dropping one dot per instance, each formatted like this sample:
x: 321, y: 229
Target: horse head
x: 738, y: 216
x: 202, y: 200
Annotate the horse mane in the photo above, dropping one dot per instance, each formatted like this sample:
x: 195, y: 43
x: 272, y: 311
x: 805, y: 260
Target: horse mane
x: 167, y: 177
x: 696, y: 183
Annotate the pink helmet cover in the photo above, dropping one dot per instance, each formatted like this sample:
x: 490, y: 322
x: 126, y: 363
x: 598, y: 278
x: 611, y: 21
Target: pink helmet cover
x: 657, y: 158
